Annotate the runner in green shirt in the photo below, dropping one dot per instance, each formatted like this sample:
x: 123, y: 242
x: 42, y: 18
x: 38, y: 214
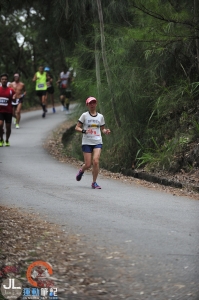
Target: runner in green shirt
x: 41, y: 88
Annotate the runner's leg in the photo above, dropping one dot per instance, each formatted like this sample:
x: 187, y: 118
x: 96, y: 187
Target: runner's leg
x: 47, y: 96
x: 52, y: 100
x: 8, y: 131
x: 87, y: 161
x: 96, y: 157
x: 14, y: 111
x: 18, y: 113
x: 1, y: 129
x: 43, y: 104
x: 62, y: 99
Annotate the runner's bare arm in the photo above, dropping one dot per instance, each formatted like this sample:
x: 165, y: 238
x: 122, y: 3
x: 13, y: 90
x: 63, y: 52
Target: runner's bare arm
x: 34, y: 78
x: 105, y: 130
x: 24, y: 89
x: 78, y: 127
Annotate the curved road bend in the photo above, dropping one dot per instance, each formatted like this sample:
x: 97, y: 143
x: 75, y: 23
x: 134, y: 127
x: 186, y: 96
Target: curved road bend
x: 156, y: 233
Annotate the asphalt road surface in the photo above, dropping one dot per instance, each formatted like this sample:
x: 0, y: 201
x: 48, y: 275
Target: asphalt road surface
x: 152, y: 236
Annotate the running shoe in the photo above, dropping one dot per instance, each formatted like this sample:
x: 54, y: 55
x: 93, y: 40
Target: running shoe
x: 54, y: 111
x: 1, y: 143
x: 17, y: 126
x: 94, y: 185
x: 79, y: 175
x: 43, y: 115
x: 7, y: 144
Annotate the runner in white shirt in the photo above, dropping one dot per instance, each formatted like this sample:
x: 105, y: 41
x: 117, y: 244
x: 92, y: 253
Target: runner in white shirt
x: 64, y: 84
x: 91, y: 124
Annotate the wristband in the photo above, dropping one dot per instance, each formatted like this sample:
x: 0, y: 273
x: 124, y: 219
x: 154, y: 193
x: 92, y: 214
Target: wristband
x: 83, y: 131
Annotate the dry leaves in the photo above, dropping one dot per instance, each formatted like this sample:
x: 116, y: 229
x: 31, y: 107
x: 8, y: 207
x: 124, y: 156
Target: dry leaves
x: 26, y: 238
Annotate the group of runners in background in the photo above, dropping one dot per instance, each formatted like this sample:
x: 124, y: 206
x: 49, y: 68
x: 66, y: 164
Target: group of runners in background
x: 45, y: 89
x: 12, y: 96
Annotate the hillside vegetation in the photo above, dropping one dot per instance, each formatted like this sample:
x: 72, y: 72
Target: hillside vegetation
x: 140, y: 59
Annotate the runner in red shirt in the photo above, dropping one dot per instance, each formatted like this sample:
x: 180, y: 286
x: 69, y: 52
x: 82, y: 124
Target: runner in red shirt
x: 6, y: 98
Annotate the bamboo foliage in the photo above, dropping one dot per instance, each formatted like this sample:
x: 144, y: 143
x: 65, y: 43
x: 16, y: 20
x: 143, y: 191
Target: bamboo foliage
x: 106, y: 66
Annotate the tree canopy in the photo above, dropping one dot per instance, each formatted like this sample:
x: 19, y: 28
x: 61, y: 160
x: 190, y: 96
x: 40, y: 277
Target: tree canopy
x: 139, y: 58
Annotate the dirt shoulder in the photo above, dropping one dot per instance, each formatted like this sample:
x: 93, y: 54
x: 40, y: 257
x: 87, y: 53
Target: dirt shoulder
x: 26, y: 238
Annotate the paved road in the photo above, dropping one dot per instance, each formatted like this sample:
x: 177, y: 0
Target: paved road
x: 155, y: 234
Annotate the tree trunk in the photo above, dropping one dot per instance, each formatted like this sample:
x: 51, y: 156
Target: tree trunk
x: 106, y: 66
x: 97, y: 60
x: 98, y: 78
x: 66, y: 10
x: 196, y: 31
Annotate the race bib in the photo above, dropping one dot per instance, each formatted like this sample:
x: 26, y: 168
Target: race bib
x: 40, y: 85
x: 4, y: 101
x: 16, y: 102
x: 93, y: 134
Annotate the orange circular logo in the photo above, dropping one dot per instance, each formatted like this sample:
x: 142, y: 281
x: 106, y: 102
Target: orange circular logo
x: 38, y: 273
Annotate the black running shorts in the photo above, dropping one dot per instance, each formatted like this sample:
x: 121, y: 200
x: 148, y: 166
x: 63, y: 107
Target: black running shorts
x: 41, y: 93
x: 7, y: 117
